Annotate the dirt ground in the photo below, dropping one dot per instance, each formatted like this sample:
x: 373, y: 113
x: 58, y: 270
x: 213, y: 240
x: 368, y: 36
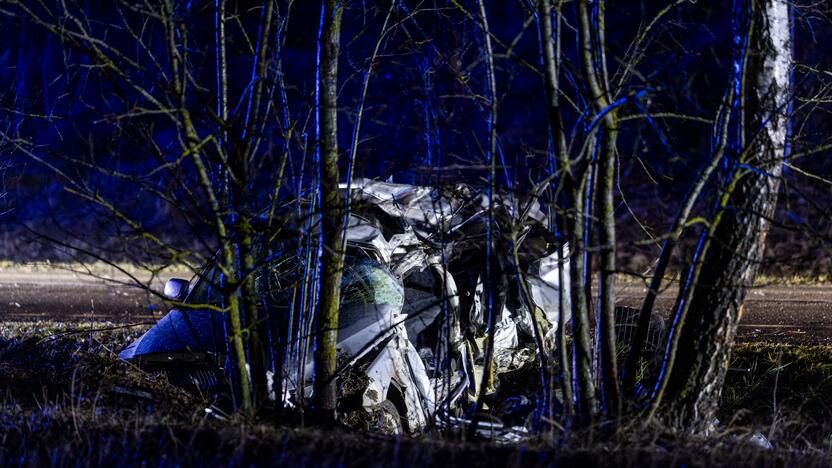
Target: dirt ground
x: 797, y: 314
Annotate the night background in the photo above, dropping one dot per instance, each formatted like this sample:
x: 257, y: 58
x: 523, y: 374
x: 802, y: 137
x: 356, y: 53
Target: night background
x: 668, y: 159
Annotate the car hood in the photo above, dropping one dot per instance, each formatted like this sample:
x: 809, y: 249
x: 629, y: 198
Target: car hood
x: 181, y: 331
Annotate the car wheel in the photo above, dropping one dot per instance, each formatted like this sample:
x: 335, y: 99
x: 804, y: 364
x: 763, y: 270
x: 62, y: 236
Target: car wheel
x: 386, y: 419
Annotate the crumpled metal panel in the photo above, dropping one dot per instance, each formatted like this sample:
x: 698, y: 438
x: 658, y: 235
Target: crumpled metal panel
x: 425, y: 208
x: 430, y: 228
x: 399, y: 363
x: 544, y: 285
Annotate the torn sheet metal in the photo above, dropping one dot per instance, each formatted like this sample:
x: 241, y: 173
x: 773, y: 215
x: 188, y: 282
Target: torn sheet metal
x: 424, y: 208
x: 412, y: 299
x: 544, y: 285
x: 398, y: 374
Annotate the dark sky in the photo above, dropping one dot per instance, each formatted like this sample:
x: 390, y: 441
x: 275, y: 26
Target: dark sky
x: 419, y: 110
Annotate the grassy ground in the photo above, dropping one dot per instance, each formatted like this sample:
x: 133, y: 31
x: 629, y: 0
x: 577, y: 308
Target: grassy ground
x: 63, y: 402
x: 783, y: 389
x: 801, y: 279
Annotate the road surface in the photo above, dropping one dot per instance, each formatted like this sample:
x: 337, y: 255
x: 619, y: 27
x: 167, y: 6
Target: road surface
x: 782, y: 314
x: 797, y: 314
x: 66, y: 296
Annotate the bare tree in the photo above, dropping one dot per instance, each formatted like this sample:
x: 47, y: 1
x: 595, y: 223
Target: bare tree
x: 605, y: 111
x: 217, y: 136
x: 202, y: 167
x: 332, y: 232
x: 715, y: 285
x: 551, y: 72
x: 732, y: 248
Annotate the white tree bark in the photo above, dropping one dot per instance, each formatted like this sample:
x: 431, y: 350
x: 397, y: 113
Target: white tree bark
x: 733, y: 246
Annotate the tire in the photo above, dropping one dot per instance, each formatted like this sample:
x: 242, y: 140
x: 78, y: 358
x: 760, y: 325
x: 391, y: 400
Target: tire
x: 386, y: 419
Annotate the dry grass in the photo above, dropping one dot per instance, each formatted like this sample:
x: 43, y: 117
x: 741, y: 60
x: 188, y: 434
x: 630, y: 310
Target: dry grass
x: 784, y: 390
x: 800, y: 279
x: 116, y: 270
x: 60, y: 405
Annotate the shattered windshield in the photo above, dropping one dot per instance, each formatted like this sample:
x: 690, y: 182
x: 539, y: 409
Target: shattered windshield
x: 281, y: 263
x: 365, y: 281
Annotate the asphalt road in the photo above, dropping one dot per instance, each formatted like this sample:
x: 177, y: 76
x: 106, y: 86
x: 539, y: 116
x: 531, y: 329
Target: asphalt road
x: 69, y: 297
x: 797, y: 314
x: 781, y: 314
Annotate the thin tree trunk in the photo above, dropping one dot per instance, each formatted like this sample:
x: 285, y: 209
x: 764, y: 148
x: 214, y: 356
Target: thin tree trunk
x: 220, y: 208
x: 584, y: 383
x: 606, y: 180
x: 492, y: 264
x: 245, y: 233
x: 228, y: 265
x: 640, y: 334
x: 551, y: 61
x: 222, y: 66
x: 562, y: 347
x: 332, y: 259
x: 236, y: 332
x: 737, y: 242
x: 550, y: 39
x: 248, y: 296
x: 258, y: 76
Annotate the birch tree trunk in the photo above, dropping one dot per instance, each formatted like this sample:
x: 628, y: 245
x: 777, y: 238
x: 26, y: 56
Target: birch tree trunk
x: 332, y: 259
x: 732, y: 250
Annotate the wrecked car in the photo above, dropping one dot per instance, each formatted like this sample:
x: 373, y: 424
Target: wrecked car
x: 414, y: 305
